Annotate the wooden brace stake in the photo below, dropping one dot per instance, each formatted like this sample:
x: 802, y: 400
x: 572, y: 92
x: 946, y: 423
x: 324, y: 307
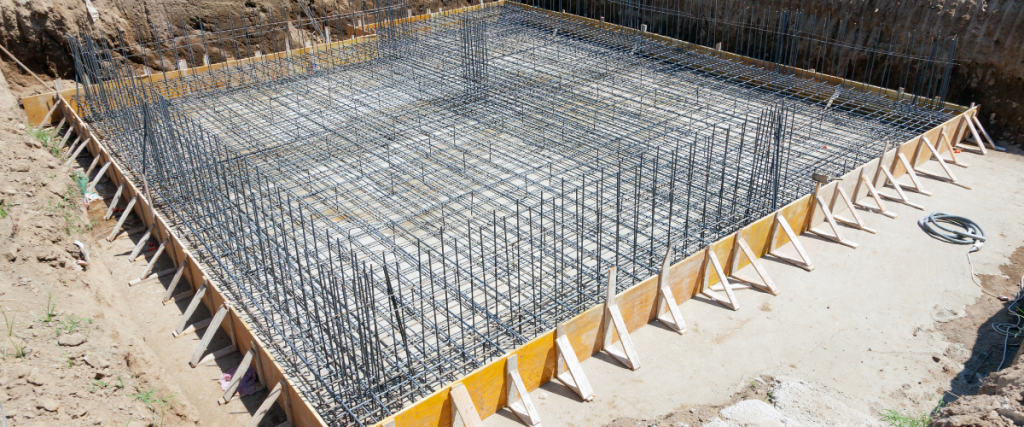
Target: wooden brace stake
x: 668, y: 309
x: 943, y: 140
x: 711, y: 264
x: 77, y: 152
x: 924, y: 142
x: 99, y: 176
x: 46, y: 119
x: 141, y: 244
x: 900, y: 196
x: 195, y: 327
x: 614, y: 325
x: 208, y: 336
x: 113, y: 204
x: 464, y: 412
x: 974, y: 134
x: 218, y: 354
x: 780, y: 223
x: 124, y: 216
x: 918, y: 187
x: 837, y: 235
x: 856, y: 222
x: 568, y: 370
x: 191, y: 309
x: 518, y: 398
x: 156, y: 275
x: 987, y: 138
x: 237, y: 377
x: 174, y: 282
x: 267, y: 404
x: 741, y: 248
x: 154, y: 259
x: 862, y: 181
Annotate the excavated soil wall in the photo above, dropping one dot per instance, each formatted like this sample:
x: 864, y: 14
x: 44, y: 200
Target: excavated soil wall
x: 990, y: 39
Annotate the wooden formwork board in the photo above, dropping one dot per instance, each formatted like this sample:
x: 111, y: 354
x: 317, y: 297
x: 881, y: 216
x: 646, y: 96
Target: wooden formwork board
x: 297, y: 407
x: 537, y: 359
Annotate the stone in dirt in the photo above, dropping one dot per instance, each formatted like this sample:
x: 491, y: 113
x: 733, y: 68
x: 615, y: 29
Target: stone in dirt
x: 72, y: 340
x: 96, y: 361
x: 48, y: 404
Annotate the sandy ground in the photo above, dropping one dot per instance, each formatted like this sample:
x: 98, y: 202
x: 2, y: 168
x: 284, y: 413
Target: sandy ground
x: 864, y: 323
x: 81, y: 347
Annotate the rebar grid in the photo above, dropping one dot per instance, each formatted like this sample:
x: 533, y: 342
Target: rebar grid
x: 394, y: 213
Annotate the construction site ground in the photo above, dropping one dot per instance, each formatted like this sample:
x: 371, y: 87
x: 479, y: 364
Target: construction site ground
x: 896, y: 324
x: 891, y: 325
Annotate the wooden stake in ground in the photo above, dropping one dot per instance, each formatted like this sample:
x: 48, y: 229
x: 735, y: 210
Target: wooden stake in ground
x: 567, y: 369
x: 780, y: 223
x: 668, y: 309
x: 711, y: 265
x: 464, y: 413
x: 837, y: 235
x: 518, y: 397
x: 614, y: 325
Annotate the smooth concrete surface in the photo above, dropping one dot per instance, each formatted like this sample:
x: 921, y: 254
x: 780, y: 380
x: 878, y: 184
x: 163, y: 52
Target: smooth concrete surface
x: 862, y: 322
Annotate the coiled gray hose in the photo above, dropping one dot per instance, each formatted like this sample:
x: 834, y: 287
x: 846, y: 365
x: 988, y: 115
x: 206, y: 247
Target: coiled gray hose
x: 972, y: 234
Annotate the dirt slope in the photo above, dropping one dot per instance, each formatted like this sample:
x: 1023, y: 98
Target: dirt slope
x: 71, y: 352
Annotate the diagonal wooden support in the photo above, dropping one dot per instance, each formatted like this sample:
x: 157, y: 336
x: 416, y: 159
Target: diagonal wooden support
x: 222, y: 312
x: 977, y: 138
x: 924, y: 146
x: 614, y: 325
x: 193, y: 328
x: 740, y: 248
x: 99, y: 176
x: 237, y: 377
x: 141, y: 244
x: 668, y: 309
x: 113, y: 202
x: 900, y: 197
x: 918, y: 187
x: 124, y: 216
x: 60, y: 125
x: 943, y: 141
x: 154, y: 259
x: 95, y: 161
x: 568, y: 370
x: 863, y: 182
x: 780, y: 223
x: 67, y: 135
x: 46, y: 118
x: 217, y: 354
x: 73, y: 143
x: 191, y: 309
x: 518, y: 398
x: 837, y: 234
x: 174, y: 281
x: 77, y: 151
x: 856, y: 222
x: 711, y: 264
x: 981, y: 129
x: 464, y: 413
x: 267, y: 404
x: 156, y: 275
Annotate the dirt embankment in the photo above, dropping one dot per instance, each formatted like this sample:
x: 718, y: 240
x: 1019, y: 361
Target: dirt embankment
x: 990, y: 46
x: 990, y: 37
x: 71, y: 351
